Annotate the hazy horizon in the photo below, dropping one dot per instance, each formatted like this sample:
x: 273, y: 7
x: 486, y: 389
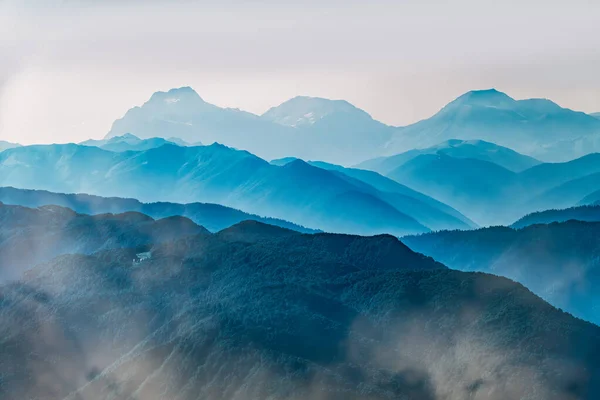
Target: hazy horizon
x: 68, y: 69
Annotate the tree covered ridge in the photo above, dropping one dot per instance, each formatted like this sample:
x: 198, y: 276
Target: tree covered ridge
x: 251, y: 315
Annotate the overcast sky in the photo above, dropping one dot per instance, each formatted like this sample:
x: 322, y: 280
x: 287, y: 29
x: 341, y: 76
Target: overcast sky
x: 68, y: 69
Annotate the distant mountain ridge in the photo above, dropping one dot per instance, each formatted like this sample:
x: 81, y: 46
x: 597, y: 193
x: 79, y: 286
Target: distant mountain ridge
x: 314, y: 128
x: 589, y: 213
x: 297, y: 192
x: 309, y: 127
x: 527, y: 126
x: 4, y: 145
x: 427, y: 210
x: 304, y: 110
x: 429, y: 192
x: 490, y: 194
x: 477, y: 149
x: 213, y: 217
x: 476, y: 187
x: 129, y: 142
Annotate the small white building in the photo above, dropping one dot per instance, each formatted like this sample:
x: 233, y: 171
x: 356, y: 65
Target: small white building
x: 141, y: 257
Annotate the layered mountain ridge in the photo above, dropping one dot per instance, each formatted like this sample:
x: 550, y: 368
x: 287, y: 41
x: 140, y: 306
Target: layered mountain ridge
x: 557, y: 261
x: 213, y: 217
x: 297, y: 192
x: 482, y: 187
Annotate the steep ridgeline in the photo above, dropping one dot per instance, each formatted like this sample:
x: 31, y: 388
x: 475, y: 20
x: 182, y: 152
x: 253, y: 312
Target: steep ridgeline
x: 562, y: 185
x: 311, y: 128
x: 485, y: 192
x: 477, y: 149
x: 558, y: 262
x: 332, y: 130
x: 425, y: 209
x: 7, y: 145
x: 591, y: 199
x: 491, y: 194
x: 129, y: 142
x: 257, y: 312
x: 296, y: 192
x: 29, y: 236
x: 589, y: 213
x: 535, y: 127
x: 213, y: 217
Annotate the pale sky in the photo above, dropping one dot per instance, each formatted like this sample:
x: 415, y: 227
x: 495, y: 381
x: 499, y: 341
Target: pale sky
x: 68, y: 69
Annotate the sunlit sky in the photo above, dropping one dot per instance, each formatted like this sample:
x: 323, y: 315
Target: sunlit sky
x: 68, y: 69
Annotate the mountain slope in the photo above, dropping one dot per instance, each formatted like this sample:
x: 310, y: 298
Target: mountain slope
x: 293, y: 317
x: 56, y: 167
x: 7, y: 145
x: 426, y: 210
x: 492, y: 195
x: 296, y: 192
x: 549, y: 175
x: 304, y: 110
x: 129, y: 142
x: 477, y: 149
x: 471, y: 186
x: 213, y: 217
x: 558, y: 262
x: 561, y: 185
x: 339, y: 130
x: 591, y: 199
x: 30, y: 236
x: 567, y: 194
x: 523, y: 125
x: 184, y: 114
x: 590, y: 213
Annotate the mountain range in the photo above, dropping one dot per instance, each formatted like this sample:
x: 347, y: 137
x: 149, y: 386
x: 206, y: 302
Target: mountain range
x: 443, y: 188
x: 589, y: 213
x: 532, y: 126
x: 257, y: 311
x: 557, y: 261
x: 335, y: 131
x: 129, y: 142
x: 477, y: 149
x: 481, y: 189
x: 311, y: 127
x: 213, y: 217
x: 425, y: 209
x: 485, y: 190
x: 297, y: 192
